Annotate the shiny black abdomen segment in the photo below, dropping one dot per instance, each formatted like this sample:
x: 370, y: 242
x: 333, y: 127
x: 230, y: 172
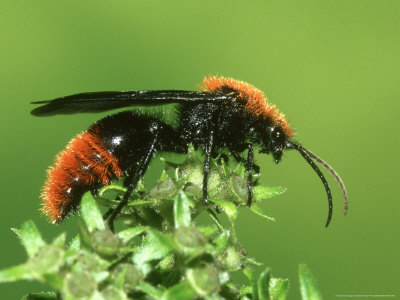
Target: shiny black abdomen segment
x: 127, y: 135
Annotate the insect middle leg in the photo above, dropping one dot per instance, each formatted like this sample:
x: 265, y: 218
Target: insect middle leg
x: 206, y: 170
x: 249, y: 168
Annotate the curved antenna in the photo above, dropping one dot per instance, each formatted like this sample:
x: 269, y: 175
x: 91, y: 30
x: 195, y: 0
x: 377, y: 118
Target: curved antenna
x: 310, y: 161
x: 334, y: 174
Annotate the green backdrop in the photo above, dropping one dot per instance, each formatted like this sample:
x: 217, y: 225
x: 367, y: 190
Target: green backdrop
x: 331, y: 66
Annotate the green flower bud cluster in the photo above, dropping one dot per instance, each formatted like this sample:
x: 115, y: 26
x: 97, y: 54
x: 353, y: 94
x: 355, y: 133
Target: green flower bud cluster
x: 158, y: 250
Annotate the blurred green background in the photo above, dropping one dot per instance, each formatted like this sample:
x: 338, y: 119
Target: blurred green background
x: 331, y: 66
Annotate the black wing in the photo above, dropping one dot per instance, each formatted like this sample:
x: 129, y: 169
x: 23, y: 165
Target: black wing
x: 102, y: 101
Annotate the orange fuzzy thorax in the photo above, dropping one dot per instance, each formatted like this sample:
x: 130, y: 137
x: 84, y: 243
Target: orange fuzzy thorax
x: 256, y: 103
x: 84, y: 162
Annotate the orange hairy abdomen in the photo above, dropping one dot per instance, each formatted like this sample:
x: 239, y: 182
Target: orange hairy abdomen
x: 85, y: 163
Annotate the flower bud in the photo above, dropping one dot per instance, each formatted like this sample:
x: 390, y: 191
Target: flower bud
x: 189, y: 238
x: 204, y: 280
x: 79, y: 285
x: 105, y: 243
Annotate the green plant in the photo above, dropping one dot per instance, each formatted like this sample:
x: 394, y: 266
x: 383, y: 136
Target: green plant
x: 161, y: 252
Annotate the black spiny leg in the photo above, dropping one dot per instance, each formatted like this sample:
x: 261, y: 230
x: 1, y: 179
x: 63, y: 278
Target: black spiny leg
x: 107, y: 214
x: 206, y: 169
x: 133, y: 182
x: 249, y: 167
x: 239, y: 158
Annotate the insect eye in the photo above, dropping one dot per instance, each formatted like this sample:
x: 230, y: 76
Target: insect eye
x: 275, y: 132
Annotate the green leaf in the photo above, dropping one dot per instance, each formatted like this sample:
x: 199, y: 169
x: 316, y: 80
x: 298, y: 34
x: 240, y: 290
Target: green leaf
x: 308, y: 286
x: 120, y: 277
x: 130, y: 233
x: 155, y: 246
x: 256, y: 209
x: 15, y: 273
x: 214, y: 217
x: 112, y: 188
x: 164, y: 176
x: 85, y: 239
x: 240, y: 169
x: 54, y: 280
x: 40, y: 296
x: 190, y: 240
x: 91, y: 213
x: 139, y: 187
x: 278, y: 288
x: 263, y: 192
x: 246, y: 290
x: 250, y: 275
x: 182, y: 216
x: 72, y: 249
x: 168, y: 164
x: 149, y: 290
x: 207, y: 230
x: 182, y: 291
x: 111, y: 293
x: 126, y: 276
x: 138, y: 202
x: 263, y: 281
x: 17, y: 232
x: 239, y: 187
x: 30, y: 238
x: 252, y: 261
x: 229, y: 208
x: 182, y: 181
x: 221, y: 241
x: 161, y: 190
x: 59, y: 241
x: 75, y: 244
x: 224, y: 278
x: 225, y: 169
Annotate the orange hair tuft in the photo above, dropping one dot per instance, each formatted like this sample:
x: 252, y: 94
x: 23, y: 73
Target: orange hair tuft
x: 84, y: 162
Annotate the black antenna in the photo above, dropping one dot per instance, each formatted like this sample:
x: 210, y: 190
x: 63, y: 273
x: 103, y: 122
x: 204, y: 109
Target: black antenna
x: 310, y: 161
x: 334, y: 174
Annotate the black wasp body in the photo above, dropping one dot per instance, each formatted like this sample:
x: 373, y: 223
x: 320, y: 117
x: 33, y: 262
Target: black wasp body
x: 227, y: 115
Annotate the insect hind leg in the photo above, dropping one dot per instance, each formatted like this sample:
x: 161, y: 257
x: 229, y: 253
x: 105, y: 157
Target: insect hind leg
x: 131, y: 183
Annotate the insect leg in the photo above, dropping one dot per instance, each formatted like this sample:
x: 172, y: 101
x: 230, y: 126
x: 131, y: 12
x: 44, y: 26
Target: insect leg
x: 110, y: 210
x: 107, y: 214
x: 206, y: 169
x: 133, y: 182
x: 249, y: 167
x: 236, y: 155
